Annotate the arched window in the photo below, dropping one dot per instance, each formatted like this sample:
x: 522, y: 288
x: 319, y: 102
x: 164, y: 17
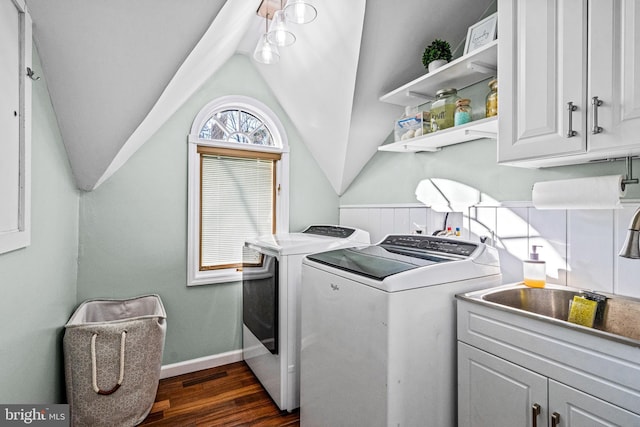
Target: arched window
x: 238, y: 173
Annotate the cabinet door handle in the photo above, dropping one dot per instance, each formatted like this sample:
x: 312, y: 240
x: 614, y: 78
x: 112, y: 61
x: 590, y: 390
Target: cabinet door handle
x: 595, y: 103
x: 555, y: 419
x: 571, y: 108
x: 535, y: 411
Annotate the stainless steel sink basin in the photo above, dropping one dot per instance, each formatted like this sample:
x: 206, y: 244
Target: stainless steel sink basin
x: 544, y: 301
x: 621, y: 316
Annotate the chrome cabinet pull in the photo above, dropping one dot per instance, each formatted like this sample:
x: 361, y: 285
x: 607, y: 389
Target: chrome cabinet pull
x: 555, y: 419
x: 571, y: 109
x: 535, y: 411
x: 595, y: 103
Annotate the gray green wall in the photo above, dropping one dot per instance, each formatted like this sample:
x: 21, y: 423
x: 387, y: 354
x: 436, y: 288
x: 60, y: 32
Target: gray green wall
x: 392, y: 177
x: 39, y: 282
x: 133, y: 227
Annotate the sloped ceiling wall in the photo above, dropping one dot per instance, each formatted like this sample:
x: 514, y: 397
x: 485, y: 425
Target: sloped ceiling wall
x: 118, y: 69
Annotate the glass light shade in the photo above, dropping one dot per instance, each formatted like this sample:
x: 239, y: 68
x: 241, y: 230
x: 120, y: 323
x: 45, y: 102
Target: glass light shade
x: 279, y: 34
x: 300, y: 12
x: 266, y: 53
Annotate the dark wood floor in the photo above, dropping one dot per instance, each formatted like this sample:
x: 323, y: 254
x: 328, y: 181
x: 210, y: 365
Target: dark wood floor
x: 228, y: 395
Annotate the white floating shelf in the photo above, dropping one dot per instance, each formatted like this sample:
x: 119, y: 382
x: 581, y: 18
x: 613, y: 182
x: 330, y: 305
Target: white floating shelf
x: 484, y: 128
x: 460, y: 73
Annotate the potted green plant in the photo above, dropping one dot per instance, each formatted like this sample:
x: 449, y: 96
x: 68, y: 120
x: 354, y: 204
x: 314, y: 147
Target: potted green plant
x: 436, y: 54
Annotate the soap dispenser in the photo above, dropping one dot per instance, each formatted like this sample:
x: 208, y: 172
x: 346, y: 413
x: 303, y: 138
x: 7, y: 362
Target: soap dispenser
x: 534, y: 270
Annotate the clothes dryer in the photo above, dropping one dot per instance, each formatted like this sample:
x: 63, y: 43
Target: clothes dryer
x: 271, y: 303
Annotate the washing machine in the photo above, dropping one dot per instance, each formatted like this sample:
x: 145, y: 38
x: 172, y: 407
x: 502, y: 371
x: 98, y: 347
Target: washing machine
x: 378, y: 330
x: 271, y: 303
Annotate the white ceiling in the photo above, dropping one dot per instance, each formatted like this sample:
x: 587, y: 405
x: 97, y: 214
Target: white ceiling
x: 118, y: 69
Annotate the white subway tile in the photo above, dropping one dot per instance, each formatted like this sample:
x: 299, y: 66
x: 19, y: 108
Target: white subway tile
x: 548, y: 228
x: 512, y: 232
x: 590, y: 250
x: 482, y: 223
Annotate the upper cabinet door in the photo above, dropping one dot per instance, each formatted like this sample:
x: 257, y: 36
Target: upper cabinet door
x: 569, y: 78
x: 9, y: 117
x: 614, y: 67
x: 15, y: 125
x: 541, y: 69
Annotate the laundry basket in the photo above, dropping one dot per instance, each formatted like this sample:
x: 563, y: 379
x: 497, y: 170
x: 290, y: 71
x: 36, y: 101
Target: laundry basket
x: 112, y: 357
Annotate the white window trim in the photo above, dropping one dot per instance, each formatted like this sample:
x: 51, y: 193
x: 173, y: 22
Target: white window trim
x: 196, y: 277
x: 20, y: 238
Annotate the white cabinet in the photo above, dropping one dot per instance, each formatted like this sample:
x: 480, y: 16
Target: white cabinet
x: 569, y: 81
x: 494, y: 392
x: 15, y: 123
x: 514, y: 369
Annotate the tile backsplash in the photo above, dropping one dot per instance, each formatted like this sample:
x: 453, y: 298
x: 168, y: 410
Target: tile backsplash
x: 580, y: 247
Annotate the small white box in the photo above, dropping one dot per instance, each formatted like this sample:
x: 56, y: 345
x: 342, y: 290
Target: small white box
x: 410, y: 127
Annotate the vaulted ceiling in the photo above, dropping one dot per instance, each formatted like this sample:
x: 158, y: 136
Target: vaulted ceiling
x: 118, y: 69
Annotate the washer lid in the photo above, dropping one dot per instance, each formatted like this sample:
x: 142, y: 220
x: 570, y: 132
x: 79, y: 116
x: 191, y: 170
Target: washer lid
x: 376, y: 262
x: 396, y: 254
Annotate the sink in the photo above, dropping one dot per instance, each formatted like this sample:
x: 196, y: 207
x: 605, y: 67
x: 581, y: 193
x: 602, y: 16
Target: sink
x: 621, y: 316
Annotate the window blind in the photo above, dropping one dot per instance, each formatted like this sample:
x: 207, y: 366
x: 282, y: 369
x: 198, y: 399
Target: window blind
x: 237, y: 203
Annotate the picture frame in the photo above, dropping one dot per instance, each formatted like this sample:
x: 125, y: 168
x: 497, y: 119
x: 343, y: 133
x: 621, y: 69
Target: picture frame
x: 481, y: 33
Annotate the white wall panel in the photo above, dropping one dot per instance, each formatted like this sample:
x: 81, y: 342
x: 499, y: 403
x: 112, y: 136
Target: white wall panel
x: 387, y: 221
x: 402, y: 221
x: 374, y: 223
x: 419, y: 219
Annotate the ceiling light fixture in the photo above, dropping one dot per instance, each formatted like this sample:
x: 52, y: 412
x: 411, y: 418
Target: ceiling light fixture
x: 277, y: 34
x: 300, y: 12
x: 265, y: 52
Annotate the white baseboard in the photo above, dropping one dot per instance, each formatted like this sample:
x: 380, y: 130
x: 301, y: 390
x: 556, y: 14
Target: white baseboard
x: 200, y: 363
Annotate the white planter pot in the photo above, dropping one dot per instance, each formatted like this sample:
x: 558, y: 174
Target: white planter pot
x: 434, y: 65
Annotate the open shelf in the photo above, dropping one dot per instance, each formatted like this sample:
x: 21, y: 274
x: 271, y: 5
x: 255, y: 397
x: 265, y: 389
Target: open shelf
x: 468, y: 69
x: 484, y: 128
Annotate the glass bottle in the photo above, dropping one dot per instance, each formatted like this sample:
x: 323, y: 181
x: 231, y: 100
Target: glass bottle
x: 463, y: 112
x: 443, y: 109
x: 492, y: 99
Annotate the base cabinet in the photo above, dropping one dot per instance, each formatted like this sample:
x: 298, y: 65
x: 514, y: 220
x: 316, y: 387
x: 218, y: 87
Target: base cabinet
x: 494, y: 392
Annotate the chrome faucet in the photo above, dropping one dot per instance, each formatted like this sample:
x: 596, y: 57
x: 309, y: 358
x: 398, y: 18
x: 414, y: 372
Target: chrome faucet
x: 631, y: 247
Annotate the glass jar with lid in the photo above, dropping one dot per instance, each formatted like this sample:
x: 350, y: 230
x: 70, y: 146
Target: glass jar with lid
x: 463, y: 112
x: 492, y: 99
x: 443, y: 109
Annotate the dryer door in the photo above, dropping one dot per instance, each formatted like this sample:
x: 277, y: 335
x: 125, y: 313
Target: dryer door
x: 260, y: 297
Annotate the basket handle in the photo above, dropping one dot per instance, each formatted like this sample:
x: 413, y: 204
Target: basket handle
x: 94, y: 374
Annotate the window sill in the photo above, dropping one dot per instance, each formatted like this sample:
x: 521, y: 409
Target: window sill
x: 212, y: 278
